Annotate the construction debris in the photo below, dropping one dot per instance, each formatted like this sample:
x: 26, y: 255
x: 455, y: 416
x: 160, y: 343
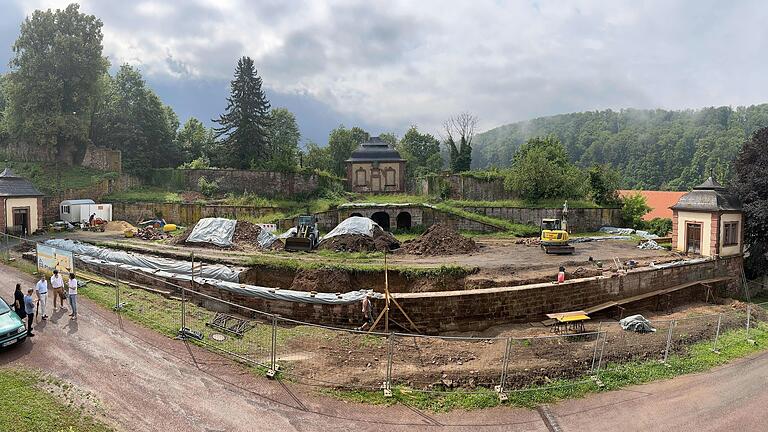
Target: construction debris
x: 650, y: 244
x: 151, y: 233
x: 440, y: 239
x: 245, y: 235
x: 637, y: 323
x: 528, y: 241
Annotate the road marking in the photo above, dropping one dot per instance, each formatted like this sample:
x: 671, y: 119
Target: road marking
x: 549, y: 419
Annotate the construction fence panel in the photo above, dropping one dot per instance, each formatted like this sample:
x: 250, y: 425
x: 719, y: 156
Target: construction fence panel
x: 543, y: 360
x: 240, y: 332
x: 624, y: 346
x: 317, y: 355
x: 432, y: 363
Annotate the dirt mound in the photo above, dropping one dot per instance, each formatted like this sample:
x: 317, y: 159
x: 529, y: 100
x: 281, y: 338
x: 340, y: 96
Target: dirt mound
x: 381, y: 241
x: 118, y: 226
x: 246, y: 236
x: 440, y: 239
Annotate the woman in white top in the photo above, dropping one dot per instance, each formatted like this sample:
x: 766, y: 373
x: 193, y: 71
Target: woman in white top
x: 72, y: 284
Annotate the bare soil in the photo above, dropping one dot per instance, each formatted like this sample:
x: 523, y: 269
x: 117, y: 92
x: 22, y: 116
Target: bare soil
x: 440, y: 240
x: 347, y: 360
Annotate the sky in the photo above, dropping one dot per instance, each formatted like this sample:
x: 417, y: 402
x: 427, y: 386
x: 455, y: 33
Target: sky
x: 387, y: 65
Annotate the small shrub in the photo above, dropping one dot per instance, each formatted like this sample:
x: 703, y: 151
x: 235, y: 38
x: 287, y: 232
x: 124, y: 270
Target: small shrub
x: 207, y: 188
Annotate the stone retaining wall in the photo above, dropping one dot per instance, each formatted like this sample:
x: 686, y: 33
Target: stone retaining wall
x: 476, y: 310
x: 579, y: 219
x: 483, y: 308
x: 185, y: 213
x: 263, y: 183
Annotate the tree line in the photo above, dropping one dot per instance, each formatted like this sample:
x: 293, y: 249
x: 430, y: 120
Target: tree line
x: 60, y: 97
x: 651, y: 149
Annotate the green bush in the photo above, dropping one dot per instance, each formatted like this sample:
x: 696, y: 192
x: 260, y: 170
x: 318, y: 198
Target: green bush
x: 633, y: 209
x: 659, y: 226
x: 200, y: 163
x: 207, y: 188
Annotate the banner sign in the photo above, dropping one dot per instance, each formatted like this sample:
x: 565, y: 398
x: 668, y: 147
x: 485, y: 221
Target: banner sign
x: 50, y: 259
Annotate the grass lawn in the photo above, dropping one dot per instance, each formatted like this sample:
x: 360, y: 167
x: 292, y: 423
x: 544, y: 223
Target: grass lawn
x: 144, y: 194
x: 50, y: 177
x: 26, y: 406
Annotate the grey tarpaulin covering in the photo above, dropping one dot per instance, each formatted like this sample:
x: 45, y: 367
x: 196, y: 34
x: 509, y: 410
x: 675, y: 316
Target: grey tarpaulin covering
x: 265, y: 239
x: 247, y: 290
x: 146, y: 261
x: 627, y: 231
x: 218, y: 231
x: 598, y: 238
x: 290, y: 233
x: 352, y: 225
x: 637, y: 323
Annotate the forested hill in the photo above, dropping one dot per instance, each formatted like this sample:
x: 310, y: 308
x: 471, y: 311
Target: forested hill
x: 653, y: 149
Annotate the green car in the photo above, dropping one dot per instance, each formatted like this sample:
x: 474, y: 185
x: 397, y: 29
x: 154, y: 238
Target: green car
x: 12, y: 328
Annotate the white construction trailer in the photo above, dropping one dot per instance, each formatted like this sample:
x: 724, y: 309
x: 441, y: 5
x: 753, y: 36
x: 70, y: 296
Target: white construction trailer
x: 79, y: 211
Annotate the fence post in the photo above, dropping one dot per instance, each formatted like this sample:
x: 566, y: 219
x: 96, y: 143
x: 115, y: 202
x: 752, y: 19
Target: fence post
x: 602, y: 349
x: 749, y: 315
x: 118, y: 306
x: 272, y: 372
x: 387, y: 386
x: 717, y: 333
x: 597, y: 342
x: 504, y: 367
x: 672, y: 325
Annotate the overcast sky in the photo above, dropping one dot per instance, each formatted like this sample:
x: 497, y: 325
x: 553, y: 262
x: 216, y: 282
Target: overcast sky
x: 385, y: 65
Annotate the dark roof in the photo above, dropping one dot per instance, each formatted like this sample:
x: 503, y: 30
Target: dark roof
x: 12, y: 185
x: 709, y: 196
x: 375, y: 149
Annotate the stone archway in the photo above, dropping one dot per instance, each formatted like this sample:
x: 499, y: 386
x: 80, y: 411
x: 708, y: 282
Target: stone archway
x: 403, y: 220
x: 355, y: 214
x: 381, y: 218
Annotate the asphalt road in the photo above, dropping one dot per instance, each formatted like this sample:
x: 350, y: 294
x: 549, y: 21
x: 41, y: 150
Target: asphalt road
x: 147, y: 382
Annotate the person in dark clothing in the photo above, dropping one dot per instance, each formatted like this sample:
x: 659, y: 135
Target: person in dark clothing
x: 29, y: 308
x: 18, y: 302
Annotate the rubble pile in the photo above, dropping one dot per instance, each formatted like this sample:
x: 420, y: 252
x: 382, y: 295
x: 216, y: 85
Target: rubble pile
x: 381, y: 241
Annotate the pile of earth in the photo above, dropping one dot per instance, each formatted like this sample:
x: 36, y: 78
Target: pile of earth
x: 246, y: 236
x: 440, y: 239
x: 381, y: 241
x: 151, y: 233
x: 119, y: 226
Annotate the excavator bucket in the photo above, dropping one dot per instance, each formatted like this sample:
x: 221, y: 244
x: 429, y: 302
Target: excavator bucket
x: 298, y: 244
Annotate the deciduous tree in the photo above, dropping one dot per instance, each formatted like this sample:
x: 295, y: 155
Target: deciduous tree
x: 751, y: 186
x: 284, y: 136
x: 53, y: 82
x: 459, y: 131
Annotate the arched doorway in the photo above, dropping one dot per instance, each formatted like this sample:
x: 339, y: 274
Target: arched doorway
x: 404, y: 220
x: 355, y: 214
x: 381, y: 218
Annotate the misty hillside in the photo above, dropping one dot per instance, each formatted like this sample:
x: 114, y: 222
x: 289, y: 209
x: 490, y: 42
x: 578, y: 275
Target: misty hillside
x: 653, y: 149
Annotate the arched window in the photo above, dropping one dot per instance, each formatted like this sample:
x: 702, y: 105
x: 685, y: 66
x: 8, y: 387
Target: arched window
x: 404, y: 220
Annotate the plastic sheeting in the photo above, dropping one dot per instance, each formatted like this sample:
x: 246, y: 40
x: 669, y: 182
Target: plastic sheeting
x: 598, y: 238
x: 637, y: 323
x: 290, y: 233
x: 217, y: 231
x: 244, y: 289
x: 352, y: 225
x: 628, y: 231
x: 265, y: 239
x: 152, y: 263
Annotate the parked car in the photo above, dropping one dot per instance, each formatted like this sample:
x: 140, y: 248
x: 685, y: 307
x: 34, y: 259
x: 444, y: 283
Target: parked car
x: 12, y: 328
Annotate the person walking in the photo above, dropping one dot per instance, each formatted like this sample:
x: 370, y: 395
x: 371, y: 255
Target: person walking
x: 367, y: 309
x: 72, y: 284
x: 57, y: 283
x: 41, y: 288
x: 18, y: 302
x: 29, y: 308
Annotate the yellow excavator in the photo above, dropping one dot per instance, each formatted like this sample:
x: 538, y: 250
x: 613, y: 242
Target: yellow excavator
x: 554, y: 235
